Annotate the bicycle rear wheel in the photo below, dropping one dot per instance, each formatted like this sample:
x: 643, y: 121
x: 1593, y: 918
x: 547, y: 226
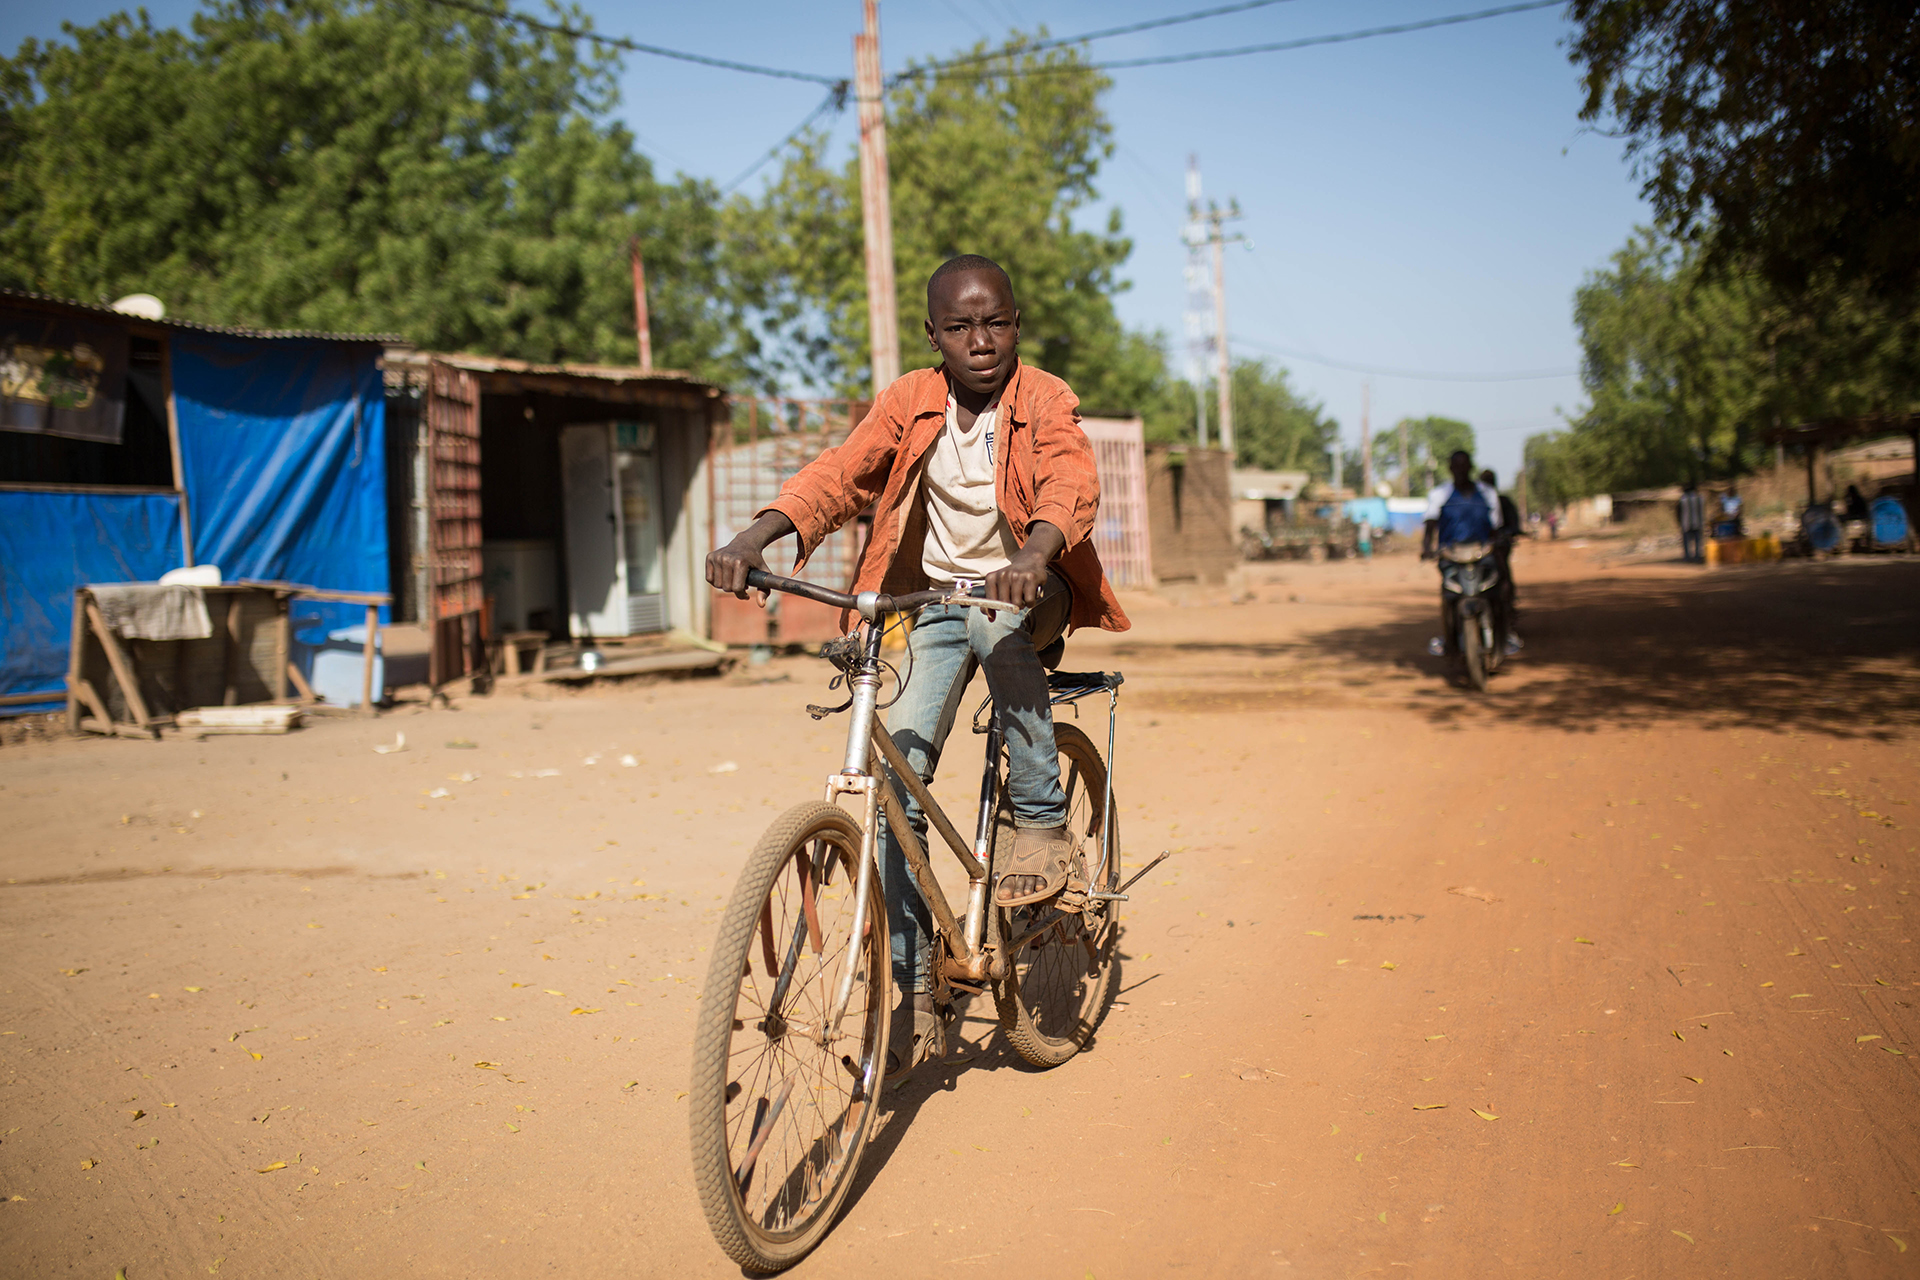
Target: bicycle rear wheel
x: 1063, y: 974
x: 781, y: 1103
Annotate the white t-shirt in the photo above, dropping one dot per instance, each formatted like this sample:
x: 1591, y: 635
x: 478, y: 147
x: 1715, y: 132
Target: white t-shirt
x: 967, y: 537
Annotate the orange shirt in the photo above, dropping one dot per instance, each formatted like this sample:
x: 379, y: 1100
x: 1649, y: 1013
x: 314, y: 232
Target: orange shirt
x: 1043, y: 470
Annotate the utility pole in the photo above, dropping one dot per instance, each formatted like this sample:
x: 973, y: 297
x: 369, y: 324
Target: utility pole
x: 1406, y: 476
x: 1222, y: 358
x: 1366, y: 439
x: 876, y: 205
x: 642, y: 320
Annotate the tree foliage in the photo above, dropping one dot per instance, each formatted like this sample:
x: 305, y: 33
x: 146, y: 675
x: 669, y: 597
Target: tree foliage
x: 1792, y: 131
x: 1430, y: 442
x: 986, y: 158
x: 1685, y: 364
x: 352, y: 165
x: 1275, y: 427
x: 1555, y: 475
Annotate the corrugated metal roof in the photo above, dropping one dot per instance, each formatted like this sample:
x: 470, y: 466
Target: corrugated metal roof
x: 617, y: 374
x: 236, y: 331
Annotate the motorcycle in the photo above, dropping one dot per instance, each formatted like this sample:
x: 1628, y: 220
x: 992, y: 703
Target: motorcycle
x: 1469, y: 584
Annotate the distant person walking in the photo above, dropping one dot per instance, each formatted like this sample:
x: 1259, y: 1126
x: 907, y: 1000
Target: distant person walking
x: 1692, y: 514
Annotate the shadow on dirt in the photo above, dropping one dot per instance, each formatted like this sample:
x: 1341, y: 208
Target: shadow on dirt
x: 1825, y: 648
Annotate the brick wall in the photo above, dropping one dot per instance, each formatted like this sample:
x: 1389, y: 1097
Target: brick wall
x: 1190, y: 514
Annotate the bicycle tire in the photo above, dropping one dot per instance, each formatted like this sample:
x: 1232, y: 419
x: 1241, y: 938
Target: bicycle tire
x: 1050, y: 1006
x: 1471, y: 652
x: 778, y: 1119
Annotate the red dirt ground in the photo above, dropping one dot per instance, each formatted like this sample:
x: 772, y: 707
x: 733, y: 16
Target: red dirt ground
x: 1611, y: 973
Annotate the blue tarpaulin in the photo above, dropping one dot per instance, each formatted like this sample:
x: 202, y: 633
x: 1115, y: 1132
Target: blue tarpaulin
x: 283, y: 447
x: 51, y: 543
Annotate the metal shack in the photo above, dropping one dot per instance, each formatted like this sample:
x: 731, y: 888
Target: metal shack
x: 132, y: 446
x: 568, y: 499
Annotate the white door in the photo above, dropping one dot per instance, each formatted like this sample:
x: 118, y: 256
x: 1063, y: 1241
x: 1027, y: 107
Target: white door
x: 596, y: 581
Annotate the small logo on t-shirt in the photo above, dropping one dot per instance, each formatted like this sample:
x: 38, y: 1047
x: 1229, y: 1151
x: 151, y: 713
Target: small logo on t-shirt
x: 990, y: 426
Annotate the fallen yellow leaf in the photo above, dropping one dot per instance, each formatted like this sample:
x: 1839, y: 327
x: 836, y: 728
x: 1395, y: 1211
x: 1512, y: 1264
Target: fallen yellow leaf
x: 88, y: 1164
x: 1616, y: 1209
x: 579, y: 1010
x: 1388, y: 964
x: 1684, y: 1236
x: 1485, y: 1115
x: 277, y: 1164
x: 1864, y: 1039
x: 1589, y: 941
x: 196, y: 988
x: 1429, y: 1106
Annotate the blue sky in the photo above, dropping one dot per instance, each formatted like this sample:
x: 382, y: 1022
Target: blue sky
x: 1425, y: 202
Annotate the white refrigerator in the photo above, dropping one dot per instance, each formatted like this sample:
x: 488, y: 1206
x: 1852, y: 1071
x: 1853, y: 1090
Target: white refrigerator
x: 611, y: 476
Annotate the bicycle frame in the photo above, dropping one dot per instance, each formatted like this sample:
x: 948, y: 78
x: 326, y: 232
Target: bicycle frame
x: 970, y: 958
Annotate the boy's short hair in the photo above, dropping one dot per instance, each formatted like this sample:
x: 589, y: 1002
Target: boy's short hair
x: 965, y: 262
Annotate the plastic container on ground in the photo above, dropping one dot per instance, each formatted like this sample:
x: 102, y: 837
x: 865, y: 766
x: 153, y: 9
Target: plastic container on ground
x: 339, y: 667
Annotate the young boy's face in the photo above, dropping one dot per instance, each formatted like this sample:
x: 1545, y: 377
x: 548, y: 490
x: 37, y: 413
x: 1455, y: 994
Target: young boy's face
x: 972, y: 322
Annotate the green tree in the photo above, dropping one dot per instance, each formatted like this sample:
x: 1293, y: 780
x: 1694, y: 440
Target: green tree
x: 1275, y: 428
x: 995, y: 156
x: 1552, y: 464
x: 1791, y: 132
x: 1686, y: 362
x: 1670, y: 368
x: 353, y: 165
x: 1430, y: 441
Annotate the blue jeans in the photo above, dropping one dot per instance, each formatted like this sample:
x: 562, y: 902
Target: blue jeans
x: 946, y: 642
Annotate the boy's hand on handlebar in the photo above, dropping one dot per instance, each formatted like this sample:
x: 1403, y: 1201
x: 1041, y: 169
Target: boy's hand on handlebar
x: 1020, y: 582
x: 1026, y: 574
x: 728, y: 567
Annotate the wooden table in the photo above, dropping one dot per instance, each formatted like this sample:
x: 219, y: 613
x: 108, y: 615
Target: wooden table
x: 106, y: 675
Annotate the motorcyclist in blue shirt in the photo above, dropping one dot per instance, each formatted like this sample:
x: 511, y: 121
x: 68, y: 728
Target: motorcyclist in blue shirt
x: 1462, y: 511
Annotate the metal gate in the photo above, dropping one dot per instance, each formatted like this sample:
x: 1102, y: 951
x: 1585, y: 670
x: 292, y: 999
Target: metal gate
x: 1120, y: 528
x: 455, y: 598
x: 767, y: 442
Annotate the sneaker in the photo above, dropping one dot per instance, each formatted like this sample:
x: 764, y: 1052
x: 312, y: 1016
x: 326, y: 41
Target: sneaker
x: 1514, y: 645
x: 1437, y: 647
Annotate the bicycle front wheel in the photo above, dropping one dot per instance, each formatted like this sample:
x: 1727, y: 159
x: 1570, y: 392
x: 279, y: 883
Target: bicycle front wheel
x: 1473, y: 653
x: 1063, y: 971
x: 783, y: 1092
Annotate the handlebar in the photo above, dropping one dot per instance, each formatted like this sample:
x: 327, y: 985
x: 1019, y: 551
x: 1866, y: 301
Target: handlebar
x: 870, y: 605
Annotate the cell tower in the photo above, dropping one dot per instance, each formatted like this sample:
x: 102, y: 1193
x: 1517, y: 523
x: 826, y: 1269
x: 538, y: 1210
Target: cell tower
x: 1199, y: 313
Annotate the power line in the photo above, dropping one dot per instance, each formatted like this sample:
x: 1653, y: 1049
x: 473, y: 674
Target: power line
x: 635, y: 46
x: 836, y: 99
x: 1341, y: 38
x: 1058, y: 41
x: 1278, y: 46
x: 1412, y: 375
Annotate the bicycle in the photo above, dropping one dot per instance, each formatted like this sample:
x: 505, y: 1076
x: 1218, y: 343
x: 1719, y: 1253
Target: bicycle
x: 791, y: 1039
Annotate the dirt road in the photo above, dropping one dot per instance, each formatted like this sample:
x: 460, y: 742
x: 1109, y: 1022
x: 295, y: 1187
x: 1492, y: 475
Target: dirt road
x: 1609, y: 974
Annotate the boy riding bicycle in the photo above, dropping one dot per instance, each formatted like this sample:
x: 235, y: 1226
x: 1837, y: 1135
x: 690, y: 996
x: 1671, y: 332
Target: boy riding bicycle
x: 980, y: 478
